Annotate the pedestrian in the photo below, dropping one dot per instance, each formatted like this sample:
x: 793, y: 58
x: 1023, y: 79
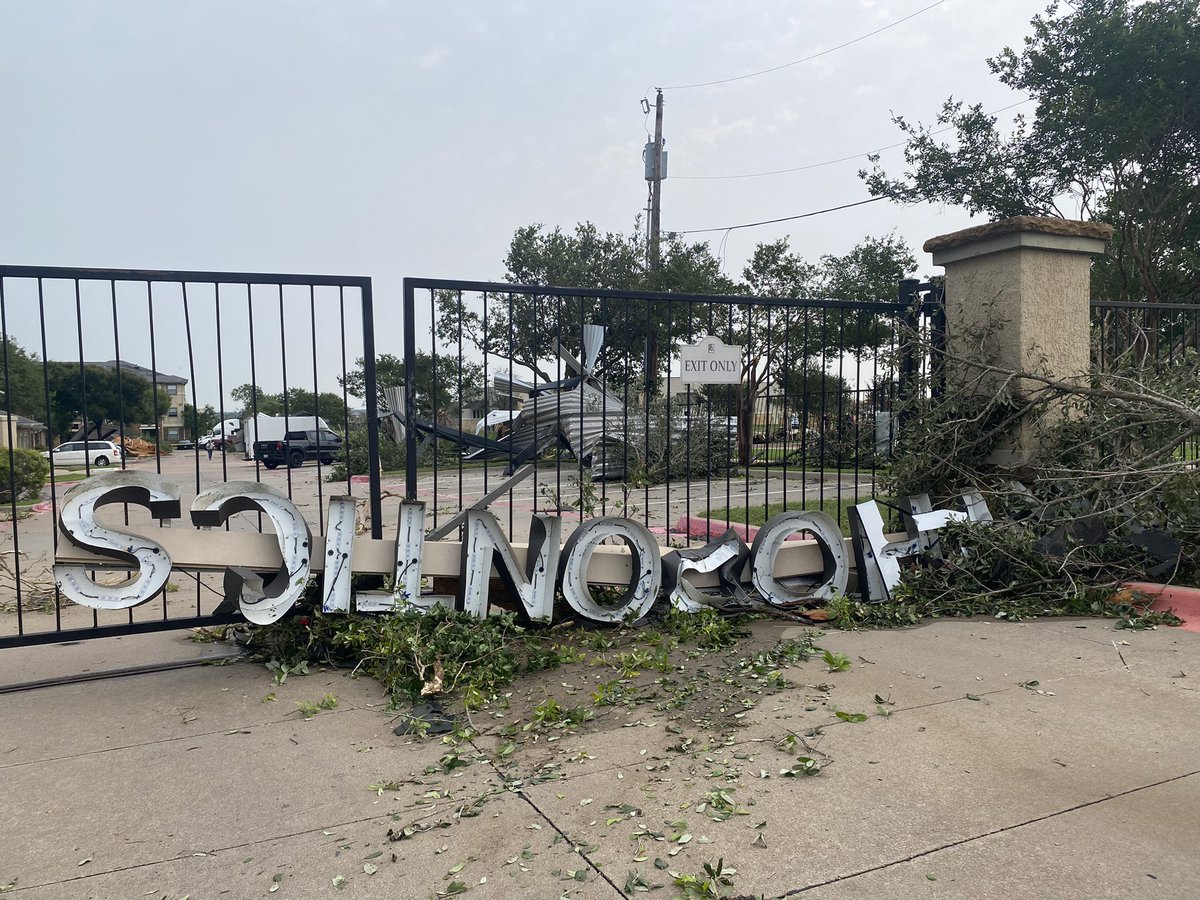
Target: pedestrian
x: 209, y: 444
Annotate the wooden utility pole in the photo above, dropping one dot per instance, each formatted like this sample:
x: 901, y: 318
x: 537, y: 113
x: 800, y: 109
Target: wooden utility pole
x: 656, y: 183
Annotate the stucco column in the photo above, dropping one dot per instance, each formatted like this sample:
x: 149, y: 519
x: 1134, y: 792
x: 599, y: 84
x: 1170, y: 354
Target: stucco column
x: 1023, y: 286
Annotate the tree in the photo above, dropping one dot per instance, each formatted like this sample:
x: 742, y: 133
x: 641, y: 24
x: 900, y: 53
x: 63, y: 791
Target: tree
x: 1115, y: 137
x: 326, y: 404
x: 254, y: 400
x: 783, y: 342
x: 200, y: 421
x: 111, y: 396
x: 300, y: 402
x: 523, y: 327
x: 437, y: 385
x: 24, y: 392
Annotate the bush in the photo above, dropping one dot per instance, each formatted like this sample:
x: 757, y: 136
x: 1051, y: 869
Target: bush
x: 677, y: 448
x: 845, y: 444
x: 355, y: 456
x: 26, y: 477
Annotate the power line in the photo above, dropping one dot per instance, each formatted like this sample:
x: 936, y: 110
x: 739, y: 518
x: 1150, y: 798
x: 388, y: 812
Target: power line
x: 806, y: 215
x: 830, y: 162
x: 684, y: 87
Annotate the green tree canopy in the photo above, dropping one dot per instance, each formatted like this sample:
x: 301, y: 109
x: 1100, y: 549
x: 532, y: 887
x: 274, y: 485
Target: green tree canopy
x: 437, y: 384
x: 199, y: 421
x: 252, y: 399
x: 24, y: 392
x: 100, y: 394
x: 1114, y: 137
x: 300, y: 402
x: 785, y: 342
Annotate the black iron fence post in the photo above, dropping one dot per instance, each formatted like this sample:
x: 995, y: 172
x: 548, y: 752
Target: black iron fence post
x: 935, y: 308
x: 410, y: 390
x: 909, y: 321
x: 369, y: 386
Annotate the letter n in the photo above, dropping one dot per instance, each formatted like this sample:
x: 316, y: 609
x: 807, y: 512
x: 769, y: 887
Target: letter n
x: 485, y: 544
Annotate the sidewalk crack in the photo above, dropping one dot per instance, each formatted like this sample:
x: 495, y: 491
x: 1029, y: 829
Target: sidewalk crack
x: 967, y: 840
x: 566, y: 837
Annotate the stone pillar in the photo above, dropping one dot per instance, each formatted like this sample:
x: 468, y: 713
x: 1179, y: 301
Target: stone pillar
x: 1025, y: 284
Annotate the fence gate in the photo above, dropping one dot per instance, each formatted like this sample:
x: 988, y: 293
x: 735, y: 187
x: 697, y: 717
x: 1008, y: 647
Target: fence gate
x: 690, y: 414
x: 92, y: 357
x: 575, y: 402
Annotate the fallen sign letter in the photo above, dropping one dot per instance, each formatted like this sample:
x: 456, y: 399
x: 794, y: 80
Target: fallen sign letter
x: 265, y: 577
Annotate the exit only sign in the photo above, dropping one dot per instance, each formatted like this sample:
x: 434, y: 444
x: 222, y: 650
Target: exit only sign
x: 710, y: 361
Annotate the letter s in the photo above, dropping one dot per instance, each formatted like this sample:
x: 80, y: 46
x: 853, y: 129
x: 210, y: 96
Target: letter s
x: 77, y: 521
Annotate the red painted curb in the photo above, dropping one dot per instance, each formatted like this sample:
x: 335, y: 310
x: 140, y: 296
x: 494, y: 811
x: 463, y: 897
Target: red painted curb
x: 1183, y: 601
x: 711, y: 529
x: 708, y: 529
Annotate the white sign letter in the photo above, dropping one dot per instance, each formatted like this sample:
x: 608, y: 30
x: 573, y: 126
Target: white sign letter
x: 835, y: 569
x: 485, y: 542
x: 643, y: 586
x: 77, y: 520
x: 260, y: 602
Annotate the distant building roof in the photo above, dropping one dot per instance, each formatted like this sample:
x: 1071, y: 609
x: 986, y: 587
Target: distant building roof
x: 22, y: 420
x: 148, y: 374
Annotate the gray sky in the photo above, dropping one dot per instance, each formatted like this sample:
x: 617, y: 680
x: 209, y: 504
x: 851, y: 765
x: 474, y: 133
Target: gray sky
x: 391, y: 139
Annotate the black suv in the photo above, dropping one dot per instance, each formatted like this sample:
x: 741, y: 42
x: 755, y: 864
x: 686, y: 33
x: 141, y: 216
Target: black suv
x: 297, y: 446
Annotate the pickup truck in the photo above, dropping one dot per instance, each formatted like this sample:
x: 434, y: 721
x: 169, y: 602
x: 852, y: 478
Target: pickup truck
x: 297, y: 446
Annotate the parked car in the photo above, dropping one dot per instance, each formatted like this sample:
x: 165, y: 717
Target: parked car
x: 79, y: 453
x: 297, y: 446
x: 186, y: 445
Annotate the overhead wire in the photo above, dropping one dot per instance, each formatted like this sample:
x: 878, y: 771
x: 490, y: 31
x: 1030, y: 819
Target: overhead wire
x: 728, y: 229
x: 816, y: 212
x: 699, y: 84
x: 830, y: 162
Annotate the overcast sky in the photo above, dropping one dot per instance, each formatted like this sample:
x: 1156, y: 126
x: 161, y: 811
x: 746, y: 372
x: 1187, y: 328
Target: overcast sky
x: 391, y: 139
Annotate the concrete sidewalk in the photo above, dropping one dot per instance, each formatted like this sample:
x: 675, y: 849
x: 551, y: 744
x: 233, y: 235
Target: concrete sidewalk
x: 967, y: 780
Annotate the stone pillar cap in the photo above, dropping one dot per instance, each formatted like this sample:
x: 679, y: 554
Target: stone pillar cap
x: 1043, y: 232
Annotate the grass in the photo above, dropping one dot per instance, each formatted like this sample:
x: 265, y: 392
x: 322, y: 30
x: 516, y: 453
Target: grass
x: 758, y: 514
x: 1189, y: 452
x: 776, y: 452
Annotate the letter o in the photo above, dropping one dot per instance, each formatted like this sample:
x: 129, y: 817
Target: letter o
x: 643, y: 586
x: 835, y: 565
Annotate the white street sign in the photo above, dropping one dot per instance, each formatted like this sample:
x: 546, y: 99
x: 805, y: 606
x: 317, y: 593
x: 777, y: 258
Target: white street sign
x: 710, y: 361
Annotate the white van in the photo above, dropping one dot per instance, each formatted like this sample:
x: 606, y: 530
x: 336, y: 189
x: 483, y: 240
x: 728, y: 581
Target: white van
x: 224, y: 434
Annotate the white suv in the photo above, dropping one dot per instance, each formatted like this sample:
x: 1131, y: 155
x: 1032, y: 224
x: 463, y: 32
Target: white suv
x: 79, y: 453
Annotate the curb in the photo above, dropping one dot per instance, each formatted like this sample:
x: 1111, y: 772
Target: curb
x: 1183, y: 601
x: 711, y: 529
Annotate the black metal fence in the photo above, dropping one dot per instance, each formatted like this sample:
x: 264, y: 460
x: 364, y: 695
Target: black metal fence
x: 520, y: 399
x: 1127, y: 335
x: 92, y: 356
x: 514, y: 399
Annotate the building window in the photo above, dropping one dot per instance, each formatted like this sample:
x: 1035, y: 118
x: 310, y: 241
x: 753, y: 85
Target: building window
x: 172, y: 413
